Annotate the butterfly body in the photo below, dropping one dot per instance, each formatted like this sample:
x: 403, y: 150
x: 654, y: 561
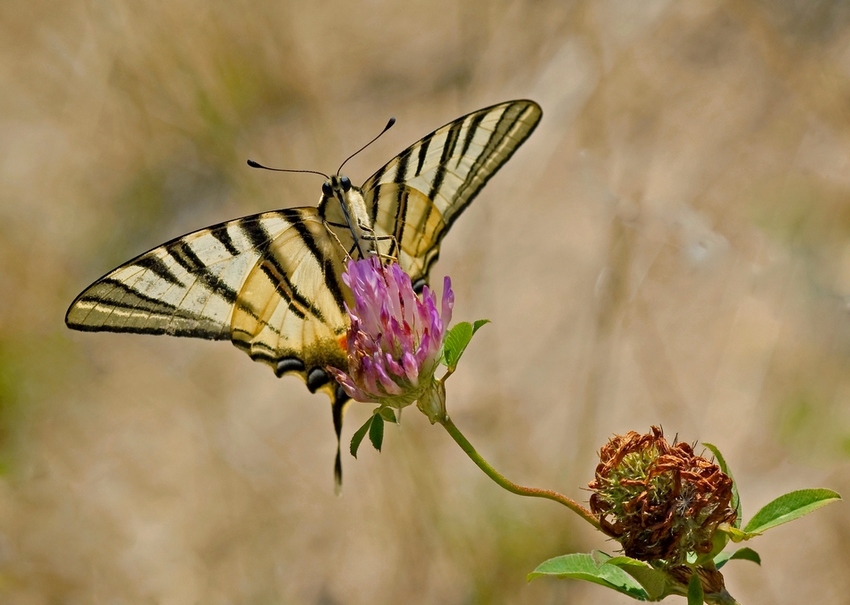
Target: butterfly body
x: 272, y: 282
x: 355, y: 214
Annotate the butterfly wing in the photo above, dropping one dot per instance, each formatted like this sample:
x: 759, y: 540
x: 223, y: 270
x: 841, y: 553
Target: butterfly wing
x: 416, y: 197
x: 271, y: 283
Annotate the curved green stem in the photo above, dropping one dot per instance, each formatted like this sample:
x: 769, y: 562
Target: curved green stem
x: 512, y: 487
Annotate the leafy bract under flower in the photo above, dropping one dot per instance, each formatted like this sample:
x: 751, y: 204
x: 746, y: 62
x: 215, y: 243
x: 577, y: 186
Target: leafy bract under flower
x: 395, y: 338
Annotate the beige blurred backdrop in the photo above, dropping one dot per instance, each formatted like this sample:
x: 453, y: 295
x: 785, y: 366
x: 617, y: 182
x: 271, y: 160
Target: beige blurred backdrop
x: 671, y: 246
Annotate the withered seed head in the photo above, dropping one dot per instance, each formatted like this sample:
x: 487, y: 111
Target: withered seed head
x: 660, y: 501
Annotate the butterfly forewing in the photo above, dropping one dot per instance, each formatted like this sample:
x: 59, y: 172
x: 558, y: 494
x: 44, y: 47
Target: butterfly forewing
x: 417, y: 196
x: 270, y: 283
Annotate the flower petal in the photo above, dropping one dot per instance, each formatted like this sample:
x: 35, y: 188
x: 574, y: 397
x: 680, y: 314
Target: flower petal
x: 395, y: 336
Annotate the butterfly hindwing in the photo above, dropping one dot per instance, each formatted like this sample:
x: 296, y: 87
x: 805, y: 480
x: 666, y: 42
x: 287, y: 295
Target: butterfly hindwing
x: 290, y: 310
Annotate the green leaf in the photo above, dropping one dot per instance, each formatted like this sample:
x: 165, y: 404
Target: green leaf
x: 653, y: 581
x: 478, y: 323
x: 789, y: 507
x: 745, y: 554
x: 455, y: 343
x: 695, y: 594
x: 584, y: 566
x: 388, y: 414
x: 457, y: 339
x: 736, y: 500
x: 358, y: 436
x: 376, y: 431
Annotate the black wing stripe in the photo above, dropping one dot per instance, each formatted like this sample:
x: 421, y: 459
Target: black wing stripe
x: 400, y: 219
x: 448, y: 150
x: 470, y: 136
x: 256, y: 234
x: 328, y: 273
x: 245, y: 340
x: 275, y: 273
x: 157, y: 265
x: 220, y: 233
x: 153, y: 306
x: 377, y: 193
x: 191, y: 332
x: 278, y: 274
x: 258, y: 351
x: 286, y: 289
x: 493, y: 143
x: 423, y: 152
x: 400, y: 175
x: 186, y: 258
x: 241, y: 306
x: 144, y: 302
x: 119, y: 285
x: 505, y: 130
x: 399, y: 179
x: 329, y: 270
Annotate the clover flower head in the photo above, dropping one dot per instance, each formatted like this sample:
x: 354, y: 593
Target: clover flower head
x: 660, y: 501
x: 395, y: 338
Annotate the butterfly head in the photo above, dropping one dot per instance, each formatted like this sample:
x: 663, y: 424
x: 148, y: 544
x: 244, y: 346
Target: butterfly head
x: 336, y: 183
x: 355, y: 215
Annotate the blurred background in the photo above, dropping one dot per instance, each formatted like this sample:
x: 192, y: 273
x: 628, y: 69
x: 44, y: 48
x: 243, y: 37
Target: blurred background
x: 671, y: 246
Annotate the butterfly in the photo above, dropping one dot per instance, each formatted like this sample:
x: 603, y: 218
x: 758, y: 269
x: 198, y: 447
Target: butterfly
x: 271, y: 283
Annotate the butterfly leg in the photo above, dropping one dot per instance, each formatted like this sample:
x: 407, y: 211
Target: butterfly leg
x: 349, y: 253
x: 377, y: 251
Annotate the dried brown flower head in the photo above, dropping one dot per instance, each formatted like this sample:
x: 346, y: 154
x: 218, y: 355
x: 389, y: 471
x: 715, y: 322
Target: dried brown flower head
x: 660, y: 501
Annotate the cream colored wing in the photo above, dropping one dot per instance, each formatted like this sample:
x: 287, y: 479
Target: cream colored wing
x: 271, y: 283
x: 416, y: 197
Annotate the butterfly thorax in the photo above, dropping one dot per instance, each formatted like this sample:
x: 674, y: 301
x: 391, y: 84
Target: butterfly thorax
x: 358, y: 221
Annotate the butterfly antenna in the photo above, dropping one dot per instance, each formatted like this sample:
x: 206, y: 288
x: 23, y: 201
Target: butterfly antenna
x: 254, y: 164
x: 386, y: 128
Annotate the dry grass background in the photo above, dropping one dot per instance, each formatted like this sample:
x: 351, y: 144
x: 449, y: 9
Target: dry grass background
x: 671, y: 246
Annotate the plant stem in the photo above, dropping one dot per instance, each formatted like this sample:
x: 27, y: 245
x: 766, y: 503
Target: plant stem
x: 512, y: 487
